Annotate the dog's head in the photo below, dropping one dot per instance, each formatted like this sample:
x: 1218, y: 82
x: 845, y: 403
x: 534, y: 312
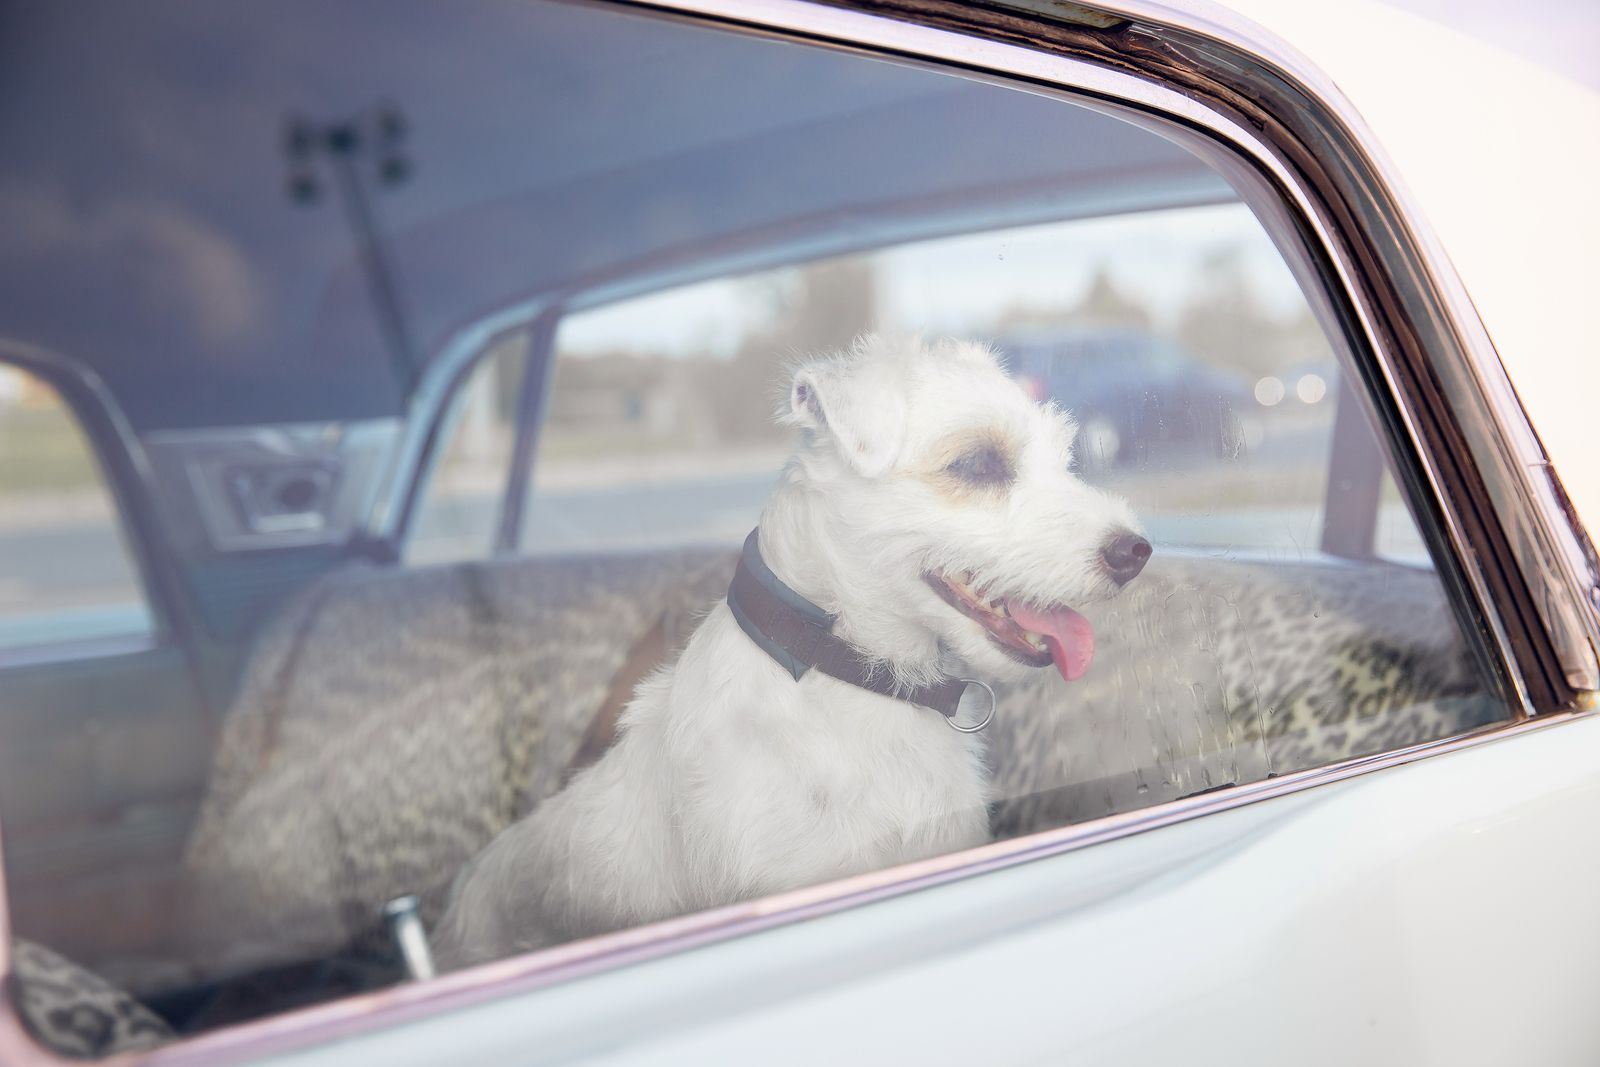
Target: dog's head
x: 933, y: 504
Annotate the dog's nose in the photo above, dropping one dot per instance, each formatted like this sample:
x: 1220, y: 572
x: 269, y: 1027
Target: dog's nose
x: 1125, y: 555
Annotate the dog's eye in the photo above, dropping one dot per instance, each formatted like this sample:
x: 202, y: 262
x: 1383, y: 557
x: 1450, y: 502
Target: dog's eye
x: 982, y: 466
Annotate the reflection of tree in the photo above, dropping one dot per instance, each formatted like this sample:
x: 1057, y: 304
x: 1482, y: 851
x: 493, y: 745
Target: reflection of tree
x: 1225, y: 322
x: 1103, y: 304
x: 616, y: 401
x: 817, y: 307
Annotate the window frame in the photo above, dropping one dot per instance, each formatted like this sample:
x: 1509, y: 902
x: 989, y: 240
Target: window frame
x: 435, y: 413
x: 124, y: 470
x: 1522, y: 556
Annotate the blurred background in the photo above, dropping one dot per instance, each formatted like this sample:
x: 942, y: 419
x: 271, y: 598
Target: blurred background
x: 1203, y: 386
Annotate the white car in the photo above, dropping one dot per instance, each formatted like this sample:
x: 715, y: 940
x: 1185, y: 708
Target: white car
x: 386, y: 388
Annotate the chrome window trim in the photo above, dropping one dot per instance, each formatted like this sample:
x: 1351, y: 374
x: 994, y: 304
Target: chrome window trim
x: 1538, y: 535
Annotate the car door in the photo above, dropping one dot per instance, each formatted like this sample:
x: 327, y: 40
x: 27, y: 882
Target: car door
x: 96, y: 662
x: 1336, y: 747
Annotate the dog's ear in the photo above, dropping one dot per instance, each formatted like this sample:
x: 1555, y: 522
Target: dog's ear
x: 865, y: 419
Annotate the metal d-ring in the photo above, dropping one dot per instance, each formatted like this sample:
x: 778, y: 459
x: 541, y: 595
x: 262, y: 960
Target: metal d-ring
x: 988, y: 716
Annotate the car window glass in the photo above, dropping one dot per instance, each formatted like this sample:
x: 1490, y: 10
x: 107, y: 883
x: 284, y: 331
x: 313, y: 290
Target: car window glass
x: 1203, y: 388
x: 1043, y: 407
x: 1206, y: 395
x: 55, y: 507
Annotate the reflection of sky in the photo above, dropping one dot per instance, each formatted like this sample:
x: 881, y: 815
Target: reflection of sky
x: 1157, y: 259
x: 947, y: 286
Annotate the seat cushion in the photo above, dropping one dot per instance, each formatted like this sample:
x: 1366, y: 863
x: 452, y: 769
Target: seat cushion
x: 1210, y: 672
x: 391, y: 723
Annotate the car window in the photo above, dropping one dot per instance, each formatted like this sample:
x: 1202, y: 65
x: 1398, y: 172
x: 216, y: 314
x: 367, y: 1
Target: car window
x: 1202, y: 386
x: 622, y: 468
x: 56, y: 507
x: 1206, y: 396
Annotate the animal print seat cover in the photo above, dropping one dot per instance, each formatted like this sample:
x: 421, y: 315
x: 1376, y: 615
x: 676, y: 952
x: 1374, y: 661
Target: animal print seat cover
x: 1210, y: 673
x: 76, y: 1013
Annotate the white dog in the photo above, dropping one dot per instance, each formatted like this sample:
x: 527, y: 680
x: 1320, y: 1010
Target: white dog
x: 931, y: 513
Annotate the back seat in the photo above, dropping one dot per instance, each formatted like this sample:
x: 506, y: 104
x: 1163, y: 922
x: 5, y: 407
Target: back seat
x: 391, y: 723
x: 1210, y: 672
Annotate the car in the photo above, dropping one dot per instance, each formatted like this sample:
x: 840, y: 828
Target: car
x: 1132, y: 392
x: 386, y: 390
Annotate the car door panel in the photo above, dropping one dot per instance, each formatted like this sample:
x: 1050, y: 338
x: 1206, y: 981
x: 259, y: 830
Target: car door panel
x: 101, y: 764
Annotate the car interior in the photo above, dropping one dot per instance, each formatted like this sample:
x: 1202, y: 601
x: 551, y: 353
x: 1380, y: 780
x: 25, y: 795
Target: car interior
x: 271, y: 281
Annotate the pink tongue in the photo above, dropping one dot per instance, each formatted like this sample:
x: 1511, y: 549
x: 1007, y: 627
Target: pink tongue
x: 1069, y: 636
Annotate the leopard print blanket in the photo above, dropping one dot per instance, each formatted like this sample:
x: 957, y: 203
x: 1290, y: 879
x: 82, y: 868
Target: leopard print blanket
x: 390, y: 725
x: 75, y: 1013
x: 1210, y: 673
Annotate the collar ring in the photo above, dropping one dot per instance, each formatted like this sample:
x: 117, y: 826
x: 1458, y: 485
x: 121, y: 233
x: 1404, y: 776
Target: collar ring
x: 988, y: 715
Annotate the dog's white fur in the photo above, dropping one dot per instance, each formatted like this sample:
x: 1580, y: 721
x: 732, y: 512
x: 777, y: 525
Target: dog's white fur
x: 729, y: 779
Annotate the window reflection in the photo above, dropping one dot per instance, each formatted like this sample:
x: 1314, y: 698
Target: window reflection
x: 1203, y: 387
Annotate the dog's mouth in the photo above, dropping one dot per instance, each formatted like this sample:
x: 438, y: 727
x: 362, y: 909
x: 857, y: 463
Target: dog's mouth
x: 1035, y: 636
